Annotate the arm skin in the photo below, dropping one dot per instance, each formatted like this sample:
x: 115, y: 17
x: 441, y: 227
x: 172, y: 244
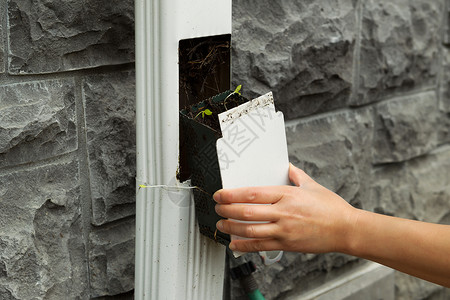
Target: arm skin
x: 309, y: 218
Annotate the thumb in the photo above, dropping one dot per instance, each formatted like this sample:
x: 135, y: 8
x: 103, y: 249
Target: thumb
x: 296, y: 175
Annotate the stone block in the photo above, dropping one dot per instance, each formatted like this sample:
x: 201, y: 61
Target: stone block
x: 412, y: 288
x: 370, y: 281
x: 5, y: 294
x: 111, y: 135
x: 390, y: 192
x: 59, y: 35
x: 444, y: 100
x: 37, y: 121
x: 294, y: 274
x: 445, y: 81
x: 42, y: 253
x: 2, y: 44
x: 405, y: 128
x: 400, y: 43
x: 302, y: 51
x: 418, y: 189
x: 335, y: 150
x: 431, y: 186
x: 441, y: 293
x: 111, y: 259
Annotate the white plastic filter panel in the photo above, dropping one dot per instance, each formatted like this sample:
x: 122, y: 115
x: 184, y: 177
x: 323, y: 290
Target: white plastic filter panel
x: 253, y: 150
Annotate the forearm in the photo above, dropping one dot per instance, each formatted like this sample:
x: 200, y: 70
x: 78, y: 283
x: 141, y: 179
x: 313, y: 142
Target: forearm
x: 417, y: 248
x: 311, y: 219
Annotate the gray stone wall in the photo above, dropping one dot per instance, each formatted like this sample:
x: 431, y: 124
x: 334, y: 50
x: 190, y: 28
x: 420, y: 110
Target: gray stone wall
x: 67, y: 149
x: 365, y: 88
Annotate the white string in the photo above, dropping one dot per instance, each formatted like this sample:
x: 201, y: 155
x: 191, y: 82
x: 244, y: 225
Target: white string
x: 167, y: 187
x: 174, y: 187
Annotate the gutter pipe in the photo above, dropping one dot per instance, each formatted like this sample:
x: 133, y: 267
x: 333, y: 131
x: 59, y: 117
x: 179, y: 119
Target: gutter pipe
x: 173, y: 261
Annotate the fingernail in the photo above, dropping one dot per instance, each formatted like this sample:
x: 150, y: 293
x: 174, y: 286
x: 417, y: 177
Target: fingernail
x: 232, y: 247
x: 216, y: 196
x: 219, y: 225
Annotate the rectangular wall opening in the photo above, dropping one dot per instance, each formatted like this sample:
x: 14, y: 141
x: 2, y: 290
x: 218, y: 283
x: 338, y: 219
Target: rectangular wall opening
x: 204, y: 71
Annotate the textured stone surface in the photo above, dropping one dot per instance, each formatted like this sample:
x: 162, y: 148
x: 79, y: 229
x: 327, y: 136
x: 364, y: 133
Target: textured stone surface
x: 418, y: 189
x: 335, y: 151
x: 444, y: 100
x: 60, y: 35
x: 399, y: 46
x: 111, y: 134
x: 111, y: 259
x: 2, y: 44
x: 439, y: 294
x: 405, y: 128
x: 370, y: 281
x: 37, y: 121
x: 301, y: 50
x: 42, y: 253
x: 411, y: 288
x: 294, y: 274
x: 445, y: 81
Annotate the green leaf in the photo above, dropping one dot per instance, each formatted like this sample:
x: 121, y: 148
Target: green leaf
x: 207, y: 112
x: 238, y: 89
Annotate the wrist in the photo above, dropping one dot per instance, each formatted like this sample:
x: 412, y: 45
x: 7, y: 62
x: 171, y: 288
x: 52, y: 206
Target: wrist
x: 351, y: 234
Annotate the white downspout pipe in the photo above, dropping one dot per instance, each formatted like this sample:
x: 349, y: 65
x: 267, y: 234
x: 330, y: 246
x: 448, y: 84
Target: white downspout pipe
x: 173, y: 261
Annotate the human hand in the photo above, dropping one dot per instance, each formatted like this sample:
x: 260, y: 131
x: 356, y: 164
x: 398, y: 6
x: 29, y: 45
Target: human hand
x: 305, y: 218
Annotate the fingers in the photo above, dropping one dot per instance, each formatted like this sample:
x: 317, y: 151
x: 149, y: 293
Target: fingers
x: 258, y: 195
x: 247, y: 212
x: 297, y: 176
x: 247, y: 230
x: 255, y: 245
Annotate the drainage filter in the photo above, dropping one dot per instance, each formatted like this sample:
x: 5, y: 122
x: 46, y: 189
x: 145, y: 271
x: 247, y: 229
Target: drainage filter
x: 199, y: 131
